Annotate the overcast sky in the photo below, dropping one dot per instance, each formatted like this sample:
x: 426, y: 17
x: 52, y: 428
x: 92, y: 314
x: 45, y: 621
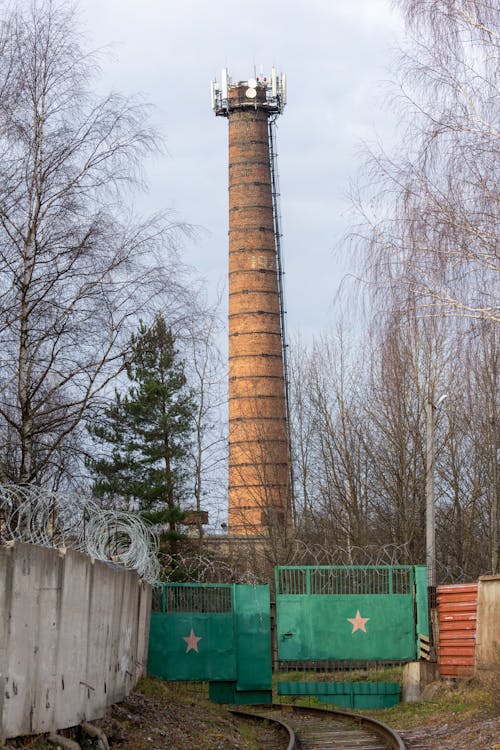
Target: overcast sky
x: 337, y: 56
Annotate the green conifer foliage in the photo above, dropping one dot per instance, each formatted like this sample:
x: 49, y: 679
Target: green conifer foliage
x: 147, y: 433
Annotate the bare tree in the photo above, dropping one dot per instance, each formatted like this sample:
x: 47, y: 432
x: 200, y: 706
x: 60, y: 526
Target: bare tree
x: 429, y: 238
x: 434, y: 228
x: 337, y: 389
x: 463, y: 523
x: 359, y: 438
x: 329, y: 425
x: 76, y: 266
x: 303, y: 433
x: 207, y: 377
x: 482, y: 380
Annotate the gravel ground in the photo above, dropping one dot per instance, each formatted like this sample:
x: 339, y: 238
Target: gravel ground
x: 166, y: 716
x: 166, y: 719
x: 188, y: 720
x: 467, y: 735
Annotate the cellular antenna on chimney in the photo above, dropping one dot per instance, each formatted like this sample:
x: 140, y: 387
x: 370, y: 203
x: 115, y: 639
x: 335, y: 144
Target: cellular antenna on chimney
x: 272, y: 92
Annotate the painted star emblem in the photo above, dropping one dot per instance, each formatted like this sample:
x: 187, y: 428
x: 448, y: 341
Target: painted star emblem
x: 358, y: 622
x: 192, y: 641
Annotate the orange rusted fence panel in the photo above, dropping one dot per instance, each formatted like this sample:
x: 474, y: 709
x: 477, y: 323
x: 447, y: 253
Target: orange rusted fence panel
x: 457, y: 613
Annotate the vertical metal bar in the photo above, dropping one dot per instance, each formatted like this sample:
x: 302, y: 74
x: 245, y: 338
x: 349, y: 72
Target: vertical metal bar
x: 281, y: 293
x: 429, y: 494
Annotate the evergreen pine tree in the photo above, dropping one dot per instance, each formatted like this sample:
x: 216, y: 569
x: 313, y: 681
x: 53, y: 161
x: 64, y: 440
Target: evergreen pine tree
x: 147, y: 432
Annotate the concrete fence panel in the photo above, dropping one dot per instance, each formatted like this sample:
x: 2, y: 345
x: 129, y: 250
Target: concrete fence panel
x: 73, y: 637
x: 488, y: 623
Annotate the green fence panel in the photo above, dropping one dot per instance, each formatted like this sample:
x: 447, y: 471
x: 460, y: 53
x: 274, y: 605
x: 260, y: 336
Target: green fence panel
x: 360, y: 702
x: 346, y: 694
x: 253, y: 637
x: 354, y: 628
x: 226, y: 692
x: 192, y: 632
x: 192, y: 646
x: 219, y: 633
x: 346, y: 613
x: 422, y: 603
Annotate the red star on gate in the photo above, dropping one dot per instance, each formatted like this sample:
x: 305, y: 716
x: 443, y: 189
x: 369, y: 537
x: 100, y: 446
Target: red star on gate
x: 358, y: 622
x: 192, y: 641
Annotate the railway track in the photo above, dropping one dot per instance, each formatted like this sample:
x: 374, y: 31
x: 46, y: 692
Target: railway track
x: 324, y: 729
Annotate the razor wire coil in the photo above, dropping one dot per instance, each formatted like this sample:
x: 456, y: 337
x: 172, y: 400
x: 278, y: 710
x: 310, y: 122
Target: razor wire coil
x: 35, y: 515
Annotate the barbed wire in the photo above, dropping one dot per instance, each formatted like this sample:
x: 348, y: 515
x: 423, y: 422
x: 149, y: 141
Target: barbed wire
x: 315, y: 553
x: 52, y: 519
x: 199, y: 568
x: 125, y: 539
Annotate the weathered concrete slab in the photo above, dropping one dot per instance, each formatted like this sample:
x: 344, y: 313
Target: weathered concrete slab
x: 417, y: 675
x: 73, y: 637
x: 488, y: 623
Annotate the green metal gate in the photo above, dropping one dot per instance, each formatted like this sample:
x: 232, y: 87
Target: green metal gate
x: 325, y: 617
x: 335, y: 625
x: 215, y: 632
x: 350, y: 613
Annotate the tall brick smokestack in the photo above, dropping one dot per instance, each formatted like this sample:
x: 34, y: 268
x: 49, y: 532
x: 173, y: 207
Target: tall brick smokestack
x: 259, y: 459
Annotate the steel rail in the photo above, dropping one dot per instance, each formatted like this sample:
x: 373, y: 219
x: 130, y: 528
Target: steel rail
x: 292, y: 739
x: 389, y: 736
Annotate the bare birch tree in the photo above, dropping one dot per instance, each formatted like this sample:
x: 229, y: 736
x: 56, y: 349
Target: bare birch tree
x: 429, y: 238
x: 76, y: 266
x: 433, y: 213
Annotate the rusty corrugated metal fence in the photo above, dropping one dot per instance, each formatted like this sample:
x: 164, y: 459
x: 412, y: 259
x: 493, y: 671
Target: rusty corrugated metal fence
x: 457, y: 612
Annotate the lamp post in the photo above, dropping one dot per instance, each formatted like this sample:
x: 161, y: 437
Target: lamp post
x: 430, y: 514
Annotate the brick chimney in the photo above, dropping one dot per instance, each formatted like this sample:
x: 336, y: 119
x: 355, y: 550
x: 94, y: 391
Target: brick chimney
x: 259, y: 459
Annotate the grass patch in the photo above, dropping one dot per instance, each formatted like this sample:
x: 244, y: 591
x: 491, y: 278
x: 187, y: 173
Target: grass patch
x: 454, y: 701
x: 384, y: 674
x: 151, y: 687
x: 249, y: 734
x: 177, y: 692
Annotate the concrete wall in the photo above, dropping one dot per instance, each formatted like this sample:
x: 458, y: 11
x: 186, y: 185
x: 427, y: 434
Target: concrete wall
x: 73, y: 637
x: 488, y: 623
